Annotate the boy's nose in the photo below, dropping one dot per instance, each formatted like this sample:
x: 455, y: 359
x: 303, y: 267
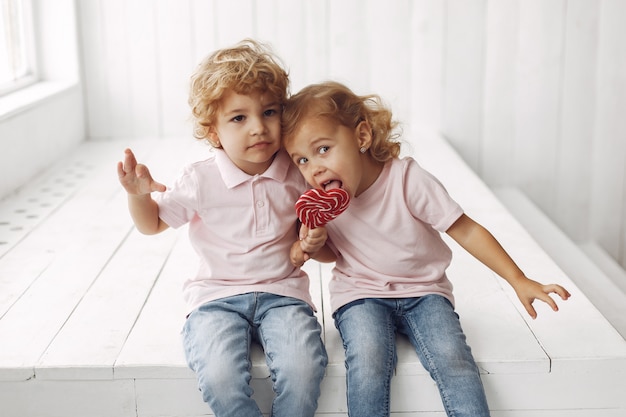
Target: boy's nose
x: 258, y: 127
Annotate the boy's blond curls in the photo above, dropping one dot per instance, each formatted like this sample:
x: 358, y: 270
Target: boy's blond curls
x: 246, y: 67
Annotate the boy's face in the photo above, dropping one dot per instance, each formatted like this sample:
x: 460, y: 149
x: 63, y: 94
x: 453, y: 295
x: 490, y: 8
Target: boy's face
x: 327, y: 154
x: 247, y: 127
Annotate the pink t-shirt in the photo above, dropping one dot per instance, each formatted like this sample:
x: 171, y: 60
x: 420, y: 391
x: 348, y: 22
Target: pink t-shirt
x: 241, y: 226
x: 388, y: 241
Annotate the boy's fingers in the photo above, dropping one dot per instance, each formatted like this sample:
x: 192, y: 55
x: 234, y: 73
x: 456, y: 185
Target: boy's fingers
x: 120, y: 170
x: 129, y: 160
x: 157, y: 186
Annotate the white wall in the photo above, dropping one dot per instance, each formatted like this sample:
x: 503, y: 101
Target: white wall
x: 42, y: 123
x: 531, y: 92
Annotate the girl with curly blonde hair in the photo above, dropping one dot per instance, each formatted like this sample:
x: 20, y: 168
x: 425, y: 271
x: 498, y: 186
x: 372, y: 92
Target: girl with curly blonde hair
x: 390, y: 271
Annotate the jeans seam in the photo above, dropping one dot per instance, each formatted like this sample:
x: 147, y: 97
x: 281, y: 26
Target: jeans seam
x: 432, y: 369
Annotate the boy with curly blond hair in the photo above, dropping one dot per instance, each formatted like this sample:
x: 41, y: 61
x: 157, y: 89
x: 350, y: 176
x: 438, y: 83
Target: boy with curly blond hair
x: 239, y: 207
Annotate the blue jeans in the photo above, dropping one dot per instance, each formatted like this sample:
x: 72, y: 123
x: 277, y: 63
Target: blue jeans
x: 368, y: 329
x: 217, y: 338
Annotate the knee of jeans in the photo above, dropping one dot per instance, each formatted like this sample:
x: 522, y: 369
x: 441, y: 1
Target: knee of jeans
x: 370, y: 359
x: 222, y: 382
x: 310, y: 366
x: 301, y: 373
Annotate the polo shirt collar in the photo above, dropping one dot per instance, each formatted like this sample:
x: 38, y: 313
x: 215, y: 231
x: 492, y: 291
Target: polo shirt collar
x: 233, y: 176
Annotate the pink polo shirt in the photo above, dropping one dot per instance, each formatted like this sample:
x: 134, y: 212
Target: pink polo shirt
x: 241, y: 226
x: 388, y: 241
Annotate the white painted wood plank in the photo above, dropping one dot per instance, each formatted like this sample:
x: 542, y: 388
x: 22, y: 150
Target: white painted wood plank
x: 181, y: 398
x: 175, y: 65
x: 92, y: 337
x: 592, y: 380
x: 573, y: 181
x: 461, y: 119
x: 33, y: 321
x: 44, y: 217
x: 426, y: 65
x: 204, y: 32
x: 592, y: 392
x: 501, y: 37
x: 558, y: 334
x: 79, y: 398
x: 95, y: 71
x: 116, y: 61
x: 605, y: 295
x: 609, y: 147
x: 332, y: 339
x: 235, y: 20
x: 538, y: 98
x: 154, y: 347
x: 317, y: 41
x: 388, y: 60
x: 348, y: 52
x: 40, y: 133
x: 142, y: 50
x: 281, y: 23
x: 124, y: 279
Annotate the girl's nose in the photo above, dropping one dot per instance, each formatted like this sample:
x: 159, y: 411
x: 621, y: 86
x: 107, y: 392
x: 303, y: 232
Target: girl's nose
x: 317, y: 169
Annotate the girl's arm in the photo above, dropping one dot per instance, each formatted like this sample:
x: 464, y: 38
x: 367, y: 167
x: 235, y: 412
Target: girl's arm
x: 138, y: 183
x: 481, y: 244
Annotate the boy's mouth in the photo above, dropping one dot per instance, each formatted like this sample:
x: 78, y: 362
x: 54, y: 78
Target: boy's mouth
x: 329, y: 185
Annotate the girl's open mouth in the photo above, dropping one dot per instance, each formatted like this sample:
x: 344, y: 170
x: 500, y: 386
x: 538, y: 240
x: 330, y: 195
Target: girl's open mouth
x: 329, y: 185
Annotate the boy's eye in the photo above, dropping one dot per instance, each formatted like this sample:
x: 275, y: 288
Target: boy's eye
x: 301, y: 161
x: 270, y: 112
x: 323, y: 149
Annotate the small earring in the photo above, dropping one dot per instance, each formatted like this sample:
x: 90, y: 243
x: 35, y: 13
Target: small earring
x: 362, y: 149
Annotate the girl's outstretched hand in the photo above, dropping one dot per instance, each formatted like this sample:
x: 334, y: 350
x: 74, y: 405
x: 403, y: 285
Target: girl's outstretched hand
x: 136, y: 178
x: 528, y: 290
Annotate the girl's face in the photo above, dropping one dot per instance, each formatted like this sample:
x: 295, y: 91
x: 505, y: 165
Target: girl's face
x: 247, y: 127
x: 328, y: 155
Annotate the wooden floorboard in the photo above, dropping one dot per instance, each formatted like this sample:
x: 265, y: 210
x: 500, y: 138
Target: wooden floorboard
x: 91, y: 310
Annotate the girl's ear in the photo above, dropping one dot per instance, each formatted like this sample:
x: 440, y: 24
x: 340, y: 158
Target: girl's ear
x: 364, y: 134
x: 213, y: 138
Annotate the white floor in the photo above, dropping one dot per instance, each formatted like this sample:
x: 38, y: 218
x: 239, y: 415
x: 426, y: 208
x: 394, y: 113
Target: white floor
x: 90, y: 310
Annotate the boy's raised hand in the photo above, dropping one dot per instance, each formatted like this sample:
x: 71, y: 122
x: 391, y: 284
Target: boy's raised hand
x: 136, y: 178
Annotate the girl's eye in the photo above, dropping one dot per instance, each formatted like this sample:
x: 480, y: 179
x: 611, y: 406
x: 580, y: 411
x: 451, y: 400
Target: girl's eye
x: 239, y: 118
x: 323, y: 149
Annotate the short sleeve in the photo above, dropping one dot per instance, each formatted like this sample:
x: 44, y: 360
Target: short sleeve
x: 427, y: 198
x: 179, y: 204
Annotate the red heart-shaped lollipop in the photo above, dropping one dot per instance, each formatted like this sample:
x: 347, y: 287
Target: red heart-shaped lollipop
x: 315, y: 207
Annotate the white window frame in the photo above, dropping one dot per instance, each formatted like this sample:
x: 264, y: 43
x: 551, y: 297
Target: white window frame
x: 28, y: 74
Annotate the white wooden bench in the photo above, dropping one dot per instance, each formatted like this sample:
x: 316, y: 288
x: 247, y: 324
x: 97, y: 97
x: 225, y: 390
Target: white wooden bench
x: 91, y: 310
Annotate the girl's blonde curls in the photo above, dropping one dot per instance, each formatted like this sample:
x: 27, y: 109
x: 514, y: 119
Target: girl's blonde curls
x: 337, y: 102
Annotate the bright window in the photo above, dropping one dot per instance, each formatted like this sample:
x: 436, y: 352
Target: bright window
x: 17, y: 54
